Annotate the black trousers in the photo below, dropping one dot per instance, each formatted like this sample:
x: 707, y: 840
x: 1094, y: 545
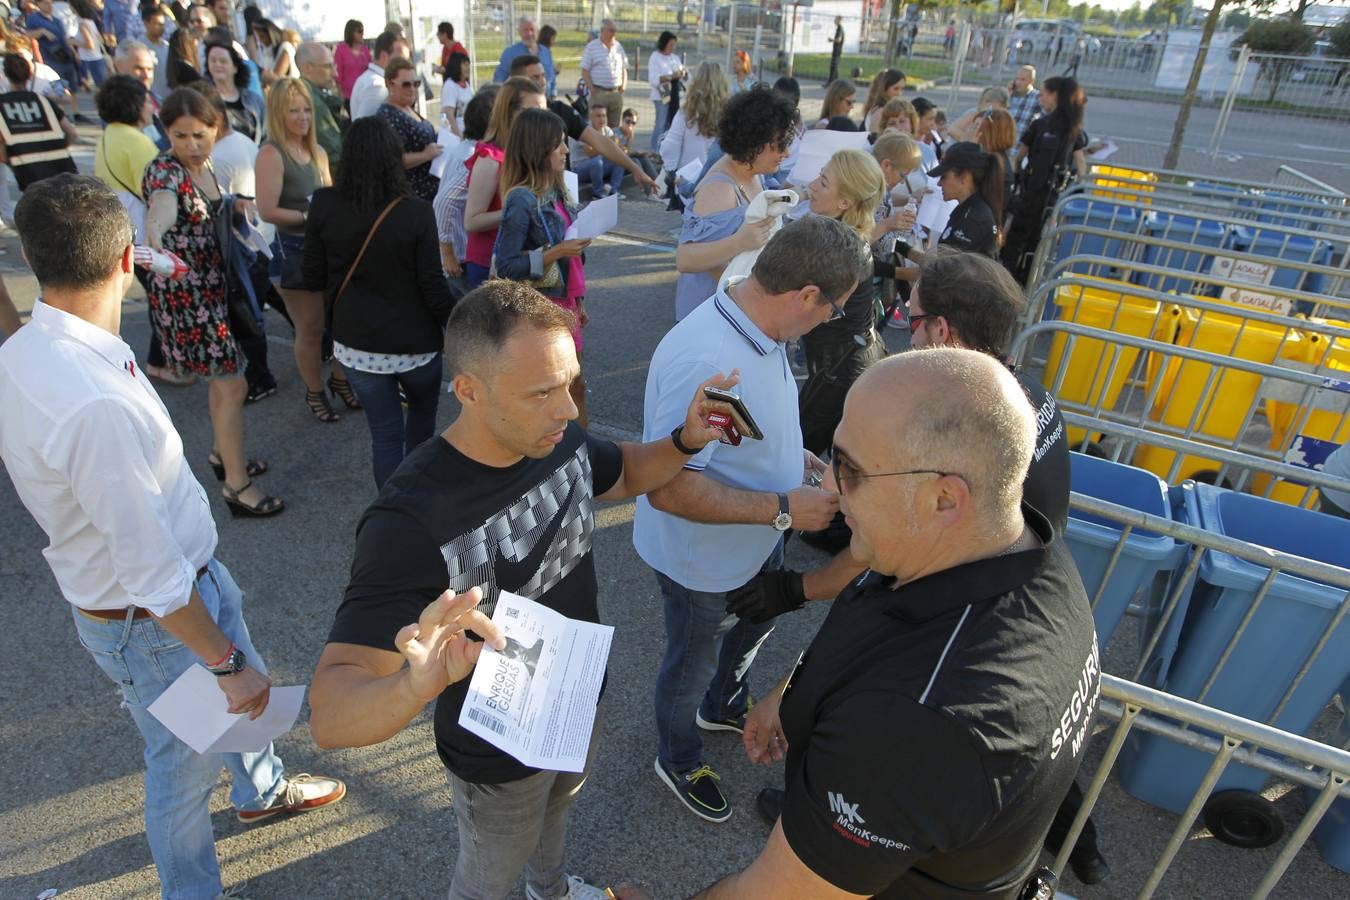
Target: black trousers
x: 832, y: 365
x: 1024, y: 233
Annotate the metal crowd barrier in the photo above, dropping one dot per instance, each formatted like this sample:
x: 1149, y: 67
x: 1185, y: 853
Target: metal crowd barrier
x: 1123, y: 276
x: 1128, y: 252
x: 1135, y: 407
x: 1141, y: 212
x: 1201, y: 196
x: 1232, y: 738
x: 1287, y: 179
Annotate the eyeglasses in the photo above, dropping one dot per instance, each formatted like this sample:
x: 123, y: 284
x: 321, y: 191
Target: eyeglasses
x: 845, y: 471
x: 836, y: 311
x: 408, y: 84
x: 916, y: 319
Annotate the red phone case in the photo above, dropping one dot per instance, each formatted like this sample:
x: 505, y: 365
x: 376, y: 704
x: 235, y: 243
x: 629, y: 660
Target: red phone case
x: 723, y: 423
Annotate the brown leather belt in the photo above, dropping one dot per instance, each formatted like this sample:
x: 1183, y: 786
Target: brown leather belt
x: 118, y: 615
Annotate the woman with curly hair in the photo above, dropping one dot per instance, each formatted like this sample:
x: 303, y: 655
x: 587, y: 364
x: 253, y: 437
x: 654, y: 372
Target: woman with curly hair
x: 695, y: 125
x: 754, y: 131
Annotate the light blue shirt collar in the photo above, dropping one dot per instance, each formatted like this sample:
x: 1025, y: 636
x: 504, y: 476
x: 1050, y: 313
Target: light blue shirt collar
x: 730, y: 310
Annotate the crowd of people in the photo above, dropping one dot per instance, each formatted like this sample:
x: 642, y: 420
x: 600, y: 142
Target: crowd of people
x: 936, y: 702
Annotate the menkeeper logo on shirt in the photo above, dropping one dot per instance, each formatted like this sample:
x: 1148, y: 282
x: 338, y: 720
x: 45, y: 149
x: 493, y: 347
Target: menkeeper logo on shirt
x: 848, y: 821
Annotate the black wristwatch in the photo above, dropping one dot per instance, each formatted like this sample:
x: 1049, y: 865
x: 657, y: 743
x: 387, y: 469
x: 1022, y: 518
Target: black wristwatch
x: 679, y: 444
x: 782, y: 521
x: 233, y: 664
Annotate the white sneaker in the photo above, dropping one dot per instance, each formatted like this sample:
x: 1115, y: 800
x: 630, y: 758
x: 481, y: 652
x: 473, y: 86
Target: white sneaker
x: 577, y: 889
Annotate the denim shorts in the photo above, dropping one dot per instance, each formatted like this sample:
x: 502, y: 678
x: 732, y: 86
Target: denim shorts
x: 286, y: 268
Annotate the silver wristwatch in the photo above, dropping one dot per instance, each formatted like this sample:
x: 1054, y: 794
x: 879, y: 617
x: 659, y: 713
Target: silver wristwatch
x: 233, y: 664
x: 782, y: 521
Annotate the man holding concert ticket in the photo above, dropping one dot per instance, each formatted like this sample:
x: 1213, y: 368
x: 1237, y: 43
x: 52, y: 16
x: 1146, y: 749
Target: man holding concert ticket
x: 500, y: 502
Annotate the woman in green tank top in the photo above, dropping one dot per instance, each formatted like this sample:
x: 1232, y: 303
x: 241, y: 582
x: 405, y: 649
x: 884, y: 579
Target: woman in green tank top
x: 291, y: 166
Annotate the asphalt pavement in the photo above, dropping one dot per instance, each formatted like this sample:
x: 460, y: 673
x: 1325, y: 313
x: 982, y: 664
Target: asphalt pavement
x: 72, y: 819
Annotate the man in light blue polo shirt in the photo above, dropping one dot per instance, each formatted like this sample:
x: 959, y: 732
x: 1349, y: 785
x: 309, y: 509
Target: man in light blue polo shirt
x: 722, y: 519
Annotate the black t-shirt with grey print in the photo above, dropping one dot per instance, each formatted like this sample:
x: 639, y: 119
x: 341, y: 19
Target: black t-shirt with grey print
x: 444, y: 521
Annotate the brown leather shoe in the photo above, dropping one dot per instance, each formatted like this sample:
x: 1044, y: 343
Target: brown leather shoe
x: 300, y: 793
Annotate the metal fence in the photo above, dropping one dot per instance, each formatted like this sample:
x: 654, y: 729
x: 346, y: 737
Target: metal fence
x: 1193, y: 721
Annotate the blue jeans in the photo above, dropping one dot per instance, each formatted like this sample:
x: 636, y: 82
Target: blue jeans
x: 143, y: 659
x: 659, y: 125
x: 705, y: 669
x: 599, y: 172
x: 476, y: 274
x: 393, y: 435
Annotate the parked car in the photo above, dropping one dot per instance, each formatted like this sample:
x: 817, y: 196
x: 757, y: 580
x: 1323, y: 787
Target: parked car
x: 1032, y: 36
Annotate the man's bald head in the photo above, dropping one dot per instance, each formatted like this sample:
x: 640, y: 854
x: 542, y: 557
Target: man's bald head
x: 949, y: 409
x: 315, y: 62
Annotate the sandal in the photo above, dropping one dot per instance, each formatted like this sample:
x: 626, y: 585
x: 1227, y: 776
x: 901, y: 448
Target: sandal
x: 318, y: 405
x: 254, y: 467
x: 267, y: 506
x: 341, y: 387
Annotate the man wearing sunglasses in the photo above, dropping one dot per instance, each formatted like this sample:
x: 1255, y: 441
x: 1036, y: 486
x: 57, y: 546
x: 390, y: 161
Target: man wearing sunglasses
x: 722, y: 519
x: 943, y: 709
x: 961, y: 300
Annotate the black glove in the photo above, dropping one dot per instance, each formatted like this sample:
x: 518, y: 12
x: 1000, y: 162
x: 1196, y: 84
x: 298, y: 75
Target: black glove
x: 767, y: 595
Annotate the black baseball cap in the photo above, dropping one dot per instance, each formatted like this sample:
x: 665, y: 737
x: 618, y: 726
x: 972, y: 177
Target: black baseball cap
x: 964, y: 155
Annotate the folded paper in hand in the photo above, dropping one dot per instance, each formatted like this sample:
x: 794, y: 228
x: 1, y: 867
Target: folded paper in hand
x: 691, y: 171
x: 595, y: 218
x: 195, y: 709
x: 448, y: 141
x: 816, y: 148
x: 536, y: 698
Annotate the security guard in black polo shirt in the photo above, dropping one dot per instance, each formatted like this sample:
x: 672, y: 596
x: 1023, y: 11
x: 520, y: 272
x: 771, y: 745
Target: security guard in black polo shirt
x: 974, y: 178
x: 942, y: 710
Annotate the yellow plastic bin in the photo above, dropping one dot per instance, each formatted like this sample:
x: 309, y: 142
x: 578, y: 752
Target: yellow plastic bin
x: 1095, y: 371
x: 1328, y: 420
x: 1185, y: 398
x: 1135, y: 192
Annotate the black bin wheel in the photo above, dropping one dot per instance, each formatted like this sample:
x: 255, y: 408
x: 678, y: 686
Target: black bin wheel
x: 1243, y: 819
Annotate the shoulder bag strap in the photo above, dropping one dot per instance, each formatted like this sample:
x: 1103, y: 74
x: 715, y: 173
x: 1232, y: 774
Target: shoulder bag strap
x: 362, y: 252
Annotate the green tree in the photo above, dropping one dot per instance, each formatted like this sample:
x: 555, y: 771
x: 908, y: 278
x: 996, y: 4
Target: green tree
x: 1238, y: 18
x: 1277, y: 40
x: 1340, y: 39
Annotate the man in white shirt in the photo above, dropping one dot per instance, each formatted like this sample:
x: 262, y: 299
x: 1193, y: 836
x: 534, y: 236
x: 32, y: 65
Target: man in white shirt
x: 370, y: 90
x: 604, y: 65
x: 96, y: 460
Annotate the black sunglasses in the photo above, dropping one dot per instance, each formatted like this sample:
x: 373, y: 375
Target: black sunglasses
x: 916, y: 319
x: 844, y: 471
x: 408, y: 84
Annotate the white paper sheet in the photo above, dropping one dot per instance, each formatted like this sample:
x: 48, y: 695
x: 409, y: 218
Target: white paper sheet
x: 933, y: 214
x: 595, y: 218
x: 194, y: 708
x: 817, y: 146
x: 691, y: 171
x: 573, y: 185
x: 536, y: 699
x: 446, y: 138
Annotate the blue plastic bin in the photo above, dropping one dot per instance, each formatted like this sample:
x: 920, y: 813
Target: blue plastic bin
x: 1184, y: 230
x: 1282, y: 633
x: 1332, y: 834
x: 1092, y: 540
x: 1279, y: 245
x: 1095, y: 212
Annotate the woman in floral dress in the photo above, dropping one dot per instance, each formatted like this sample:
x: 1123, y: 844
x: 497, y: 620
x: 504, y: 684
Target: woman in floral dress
x: 183, y: 198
